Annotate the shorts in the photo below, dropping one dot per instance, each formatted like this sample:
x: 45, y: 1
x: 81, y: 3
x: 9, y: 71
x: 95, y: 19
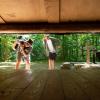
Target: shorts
x: 52, y: 56
x: 20, y: 56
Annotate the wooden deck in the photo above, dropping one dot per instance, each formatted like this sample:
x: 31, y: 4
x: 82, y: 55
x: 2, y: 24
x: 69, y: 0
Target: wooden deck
x: 42, y: 84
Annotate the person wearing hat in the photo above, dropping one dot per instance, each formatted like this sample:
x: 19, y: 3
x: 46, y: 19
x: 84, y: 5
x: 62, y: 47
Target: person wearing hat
x: 26, y: 52
x: 50, y: 44
x: 23, y: 49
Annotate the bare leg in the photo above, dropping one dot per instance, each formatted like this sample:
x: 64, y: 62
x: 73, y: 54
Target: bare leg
x: 27, y: 61
x: 49, y: 64
x: 27, y: 66
x: 17, y: 64
x: 53, y: 65
x: 19, y: 56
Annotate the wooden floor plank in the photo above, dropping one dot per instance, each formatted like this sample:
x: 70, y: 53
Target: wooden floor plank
x: 4, y: 74
x: 72, y: 90
x: 7, y: 74
x: 17, y: 86
x: 11, y: 79
x: 42, y: 84
x: 5, y: 86
x: 53, y: 89
x: 86, y: 87
x: 35, y: 89
x: 92, y: 75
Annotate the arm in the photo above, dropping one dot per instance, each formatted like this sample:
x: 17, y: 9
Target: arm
x: 56, y: 42
x: 46, y: 52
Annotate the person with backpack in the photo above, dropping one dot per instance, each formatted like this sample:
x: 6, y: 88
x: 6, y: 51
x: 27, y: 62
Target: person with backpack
x: 23, y: 49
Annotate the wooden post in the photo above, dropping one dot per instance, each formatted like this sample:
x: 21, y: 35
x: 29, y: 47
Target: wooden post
x: 88, y: 53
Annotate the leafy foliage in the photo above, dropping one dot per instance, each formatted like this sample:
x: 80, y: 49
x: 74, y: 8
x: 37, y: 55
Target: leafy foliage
x: 72, y: 46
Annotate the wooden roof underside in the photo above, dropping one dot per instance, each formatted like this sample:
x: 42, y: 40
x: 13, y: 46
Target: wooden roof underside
x: 49, y: 15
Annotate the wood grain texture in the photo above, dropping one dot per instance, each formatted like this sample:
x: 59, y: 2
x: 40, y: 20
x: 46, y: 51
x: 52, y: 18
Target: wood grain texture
x: 54, y: 11
x: 43, y: 84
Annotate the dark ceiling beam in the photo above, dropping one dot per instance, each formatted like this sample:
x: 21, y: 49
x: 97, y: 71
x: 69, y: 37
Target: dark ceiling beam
x: 50, y: 27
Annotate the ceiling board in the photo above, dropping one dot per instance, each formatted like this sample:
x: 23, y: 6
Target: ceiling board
x: 80, y: 10
x: 49, y: 12
x: 52, y: 10
x: 23, y: 10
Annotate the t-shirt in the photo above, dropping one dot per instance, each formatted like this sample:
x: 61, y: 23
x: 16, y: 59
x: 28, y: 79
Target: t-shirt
x: 50, y: 46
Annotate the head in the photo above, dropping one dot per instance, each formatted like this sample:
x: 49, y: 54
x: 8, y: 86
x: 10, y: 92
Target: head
x: 46, y: 36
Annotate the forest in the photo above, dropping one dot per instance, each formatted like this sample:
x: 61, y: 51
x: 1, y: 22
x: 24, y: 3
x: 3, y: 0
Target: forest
x: 72, y: 46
